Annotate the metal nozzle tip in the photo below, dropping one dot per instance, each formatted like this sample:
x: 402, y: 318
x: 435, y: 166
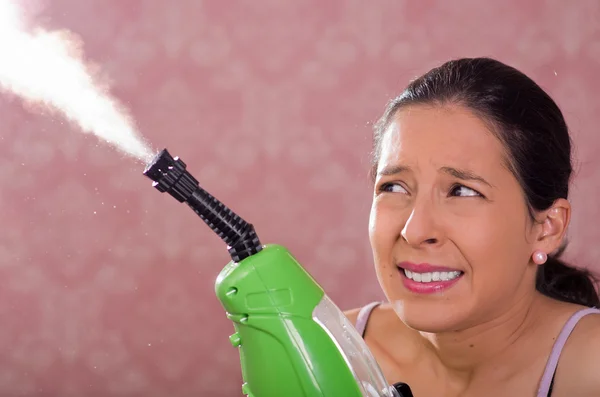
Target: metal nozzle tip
x: 159, y: 165
x: 169, y: 175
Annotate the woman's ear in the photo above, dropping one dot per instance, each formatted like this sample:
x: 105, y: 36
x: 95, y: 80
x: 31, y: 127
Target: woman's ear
x: 554, y: 223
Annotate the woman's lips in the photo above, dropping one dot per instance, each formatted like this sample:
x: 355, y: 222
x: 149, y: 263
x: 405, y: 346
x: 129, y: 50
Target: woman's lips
x: 425, y: 278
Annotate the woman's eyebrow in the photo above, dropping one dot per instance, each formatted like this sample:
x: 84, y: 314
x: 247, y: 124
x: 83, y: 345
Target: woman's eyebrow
x: 465, y: 175
x: 393, y: 170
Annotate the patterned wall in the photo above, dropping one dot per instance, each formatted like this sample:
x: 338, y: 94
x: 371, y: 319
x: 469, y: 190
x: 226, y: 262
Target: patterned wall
x: 106, y: 286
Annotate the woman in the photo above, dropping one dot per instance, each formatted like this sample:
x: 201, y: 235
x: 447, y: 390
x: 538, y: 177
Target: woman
x: 471, y: 174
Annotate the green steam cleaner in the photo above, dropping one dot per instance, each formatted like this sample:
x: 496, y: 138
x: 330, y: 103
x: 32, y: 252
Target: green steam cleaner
x: 293, y: 340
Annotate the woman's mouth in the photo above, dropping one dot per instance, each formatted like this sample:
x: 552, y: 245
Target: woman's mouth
x: 427, y: 279
x: 431, y: 276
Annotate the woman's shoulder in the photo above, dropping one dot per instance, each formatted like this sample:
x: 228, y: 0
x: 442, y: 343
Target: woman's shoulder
x: 579, y: 359
x: 384, y: 329
x: 393, y: 344
x: 380, y: 311
x: 352, y: 314
x: 381, y: 314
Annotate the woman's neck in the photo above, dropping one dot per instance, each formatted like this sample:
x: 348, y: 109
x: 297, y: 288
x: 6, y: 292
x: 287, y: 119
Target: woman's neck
x: 482, y: 347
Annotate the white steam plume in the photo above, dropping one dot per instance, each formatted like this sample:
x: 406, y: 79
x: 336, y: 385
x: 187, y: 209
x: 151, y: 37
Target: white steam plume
x: 45, y: 68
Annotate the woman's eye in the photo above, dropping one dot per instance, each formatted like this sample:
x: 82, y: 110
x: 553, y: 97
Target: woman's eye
x: 392, y: 188
x: 463, y: 191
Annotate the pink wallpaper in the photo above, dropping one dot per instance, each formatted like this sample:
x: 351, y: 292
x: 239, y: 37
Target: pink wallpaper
x: 106, y: 286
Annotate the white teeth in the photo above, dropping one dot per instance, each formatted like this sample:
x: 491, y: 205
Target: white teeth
x: 432, y: 276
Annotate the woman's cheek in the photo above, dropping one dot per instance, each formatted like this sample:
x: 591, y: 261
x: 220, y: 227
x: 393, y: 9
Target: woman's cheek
x: 385, y: 226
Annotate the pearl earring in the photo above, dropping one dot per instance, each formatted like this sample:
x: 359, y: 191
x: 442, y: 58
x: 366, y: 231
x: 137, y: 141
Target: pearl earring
x: 540, y: 257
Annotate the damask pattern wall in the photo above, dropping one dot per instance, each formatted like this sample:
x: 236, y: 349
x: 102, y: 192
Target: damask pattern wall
x: 106, y: 286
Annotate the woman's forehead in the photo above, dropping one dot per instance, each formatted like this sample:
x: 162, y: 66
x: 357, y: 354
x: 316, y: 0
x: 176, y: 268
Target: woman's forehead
x: 451, y: 135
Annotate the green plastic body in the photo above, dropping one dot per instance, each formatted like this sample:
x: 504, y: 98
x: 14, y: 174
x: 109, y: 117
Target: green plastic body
x: 283, y: 352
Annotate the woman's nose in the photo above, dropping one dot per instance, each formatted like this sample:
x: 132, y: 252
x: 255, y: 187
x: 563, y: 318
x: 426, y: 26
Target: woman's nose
x: 421, y: 227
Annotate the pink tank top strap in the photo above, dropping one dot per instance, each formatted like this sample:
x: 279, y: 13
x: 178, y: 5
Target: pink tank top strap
x: 363, y: 317
x: 559, y: 344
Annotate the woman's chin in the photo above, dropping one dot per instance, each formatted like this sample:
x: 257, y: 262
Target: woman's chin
x: 430, y: 318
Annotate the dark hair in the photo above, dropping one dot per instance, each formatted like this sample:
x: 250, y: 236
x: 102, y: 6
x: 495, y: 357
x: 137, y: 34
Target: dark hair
x: 534, y: 133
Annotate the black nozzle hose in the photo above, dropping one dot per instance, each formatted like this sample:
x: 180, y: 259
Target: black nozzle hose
x: 170, y: 175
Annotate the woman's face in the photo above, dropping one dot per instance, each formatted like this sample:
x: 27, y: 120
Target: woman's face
x: 450, y: 231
